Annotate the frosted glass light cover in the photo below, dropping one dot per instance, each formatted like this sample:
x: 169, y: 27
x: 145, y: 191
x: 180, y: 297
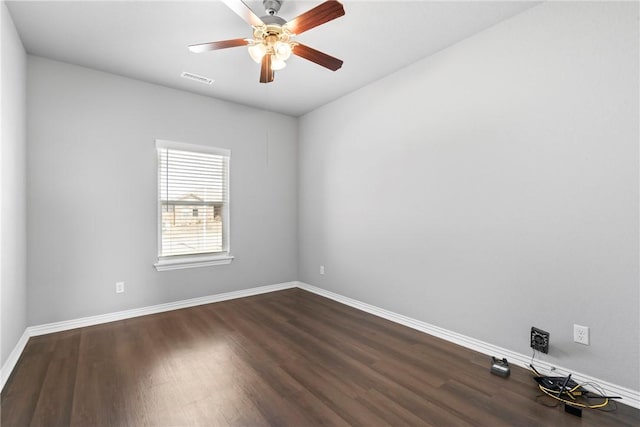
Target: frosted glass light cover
x: 257, y: 51
x: 277, y: 64
x: 282, y: 50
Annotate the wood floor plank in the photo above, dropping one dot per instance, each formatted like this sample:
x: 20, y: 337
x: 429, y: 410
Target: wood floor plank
x: 318, y: 413
x: 390, y: 411
x: 22, y: 391
x: 287, y: 358
x: 56, y: 397
x: 97, y: 397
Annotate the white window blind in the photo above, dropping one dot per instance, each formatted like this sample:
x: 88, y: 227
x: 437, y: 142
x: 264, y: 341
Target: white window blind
x: 192, y: 199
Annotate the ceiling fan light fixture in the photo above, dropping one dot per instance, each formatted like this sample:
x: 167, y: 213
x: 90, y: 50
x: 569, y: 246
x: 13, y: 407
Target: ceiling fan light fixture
x: 272, y: 42
x: 277, y: 64
x: 282, y: 50
x: 257, y: 51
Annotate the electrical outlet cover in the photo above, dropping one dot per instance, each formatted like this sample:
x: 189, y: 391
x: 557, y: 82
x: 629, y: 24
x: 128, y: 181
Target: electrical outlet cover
x: 581, y: 334
x: 539, y: 340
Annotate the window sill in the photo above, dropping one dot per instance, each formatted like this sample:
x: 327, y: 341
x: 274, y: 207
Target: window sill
x: 192, y: 262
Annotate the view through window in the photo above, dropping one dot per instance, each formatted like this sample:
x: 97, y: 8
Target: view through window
x: 193, y: 199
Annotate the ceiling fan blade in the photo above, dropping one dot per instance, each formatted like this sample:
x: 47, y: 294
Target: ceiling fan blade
x: 318, y: 57
x: 324, y: 12
x: 266, y: 73
x: 243, y: 11
x: 222, y: 44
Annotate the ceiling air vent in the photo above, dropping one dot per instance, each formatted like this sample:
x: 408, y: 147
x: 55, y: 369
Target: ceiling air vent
x: 197, y: 78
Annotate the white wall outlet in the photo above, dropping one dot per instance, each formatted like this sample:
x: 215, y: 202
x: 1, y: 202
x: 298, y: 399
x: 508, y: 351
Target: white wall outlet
x: 581, y: 334
x: 322, y: 269
x: 119, y: 287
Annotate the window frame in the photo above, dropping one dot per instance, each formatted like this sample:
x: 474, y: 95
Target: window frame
x: 174, y: 262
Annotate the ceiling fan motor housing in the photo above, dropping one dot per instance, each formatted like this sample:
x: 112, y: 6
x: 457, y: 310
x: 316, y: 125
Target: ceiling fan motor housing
x: 273, y: 20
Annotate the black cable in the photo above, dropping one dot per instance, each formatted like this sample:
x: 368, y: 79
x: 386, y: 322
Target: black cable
x: 564, y: 385
x: 563, y: 388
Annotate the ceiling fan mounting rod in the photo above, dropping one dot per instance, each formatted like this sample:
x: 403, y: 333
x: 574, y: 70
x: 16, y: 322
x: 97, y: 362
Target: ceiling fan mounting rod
x: 272, y: 6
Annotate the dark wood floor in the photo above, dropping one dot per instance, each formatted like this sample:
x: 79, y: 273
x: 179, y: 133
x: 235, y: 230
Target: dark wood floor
x: 285, y: 358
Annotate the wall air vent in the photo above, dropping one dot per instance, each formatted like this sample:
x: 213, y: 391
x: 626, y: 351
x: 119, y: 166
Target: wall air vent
x: 196, y: 78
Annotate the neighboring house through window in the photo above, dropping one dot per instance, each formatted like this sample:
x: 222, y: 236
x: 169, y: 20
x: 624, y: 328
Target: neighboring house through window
x: 193, y: 205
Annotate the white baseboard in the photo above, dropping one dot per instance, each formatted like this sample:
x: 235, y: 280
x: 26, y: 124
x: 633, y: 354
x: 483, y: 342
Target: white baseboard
x: 11, y: 361
x: 153, y: 309
x: 629, y: 397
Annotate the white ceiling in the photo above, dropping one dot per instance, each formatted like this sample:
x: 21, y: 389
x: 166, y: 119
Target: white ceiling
x: 147, y: 40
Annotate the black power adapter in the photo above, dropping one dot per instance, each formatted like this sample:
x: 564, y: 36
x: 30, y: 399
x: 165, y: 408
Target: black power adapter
x: 573, y: 410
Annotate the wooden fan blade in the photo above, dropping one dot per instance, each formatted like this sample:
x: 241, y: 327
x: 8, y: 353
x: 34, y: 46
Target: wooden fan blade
x: 266, y: 73
x: 223, y: 44
x: 243, y: 11
x: 325, y: 12
x: 318, y: 57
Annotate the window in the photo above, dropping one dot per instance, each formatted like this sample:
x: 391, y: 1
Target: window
x: 193, y: 205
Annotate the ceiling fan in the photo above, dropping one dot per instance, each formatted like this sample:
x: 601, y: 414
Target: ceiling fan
x: 272, y: 43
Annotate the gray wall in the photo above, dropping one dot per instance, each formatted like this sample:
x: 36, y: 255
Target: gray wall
x: 92, y: 192
x: 13, y: 255
x: 491, y: 187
